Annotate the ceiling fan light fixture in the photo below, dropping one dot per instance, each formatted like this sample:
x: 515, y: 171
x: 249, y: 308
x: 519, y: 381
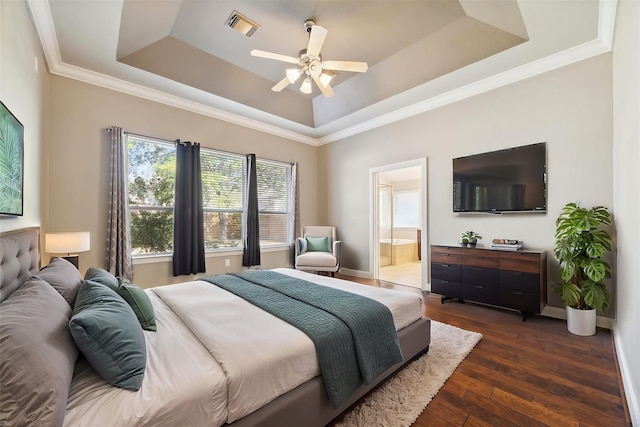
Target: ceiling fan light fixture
x: 293, y: 74
x: 310, y: 62
x: 306, y: 86
x: 325, y: 78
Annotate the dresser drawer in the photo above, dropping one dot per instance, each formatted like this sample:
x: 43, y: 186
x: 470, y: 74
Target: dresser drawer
x: 480, y: 258
x: 517, y: 261
x: 480, y: 276
x: 446, y: 288
x: 486, y: 262
x: 518, y: 281
x: 480, y: 293
x: 523, y: 301
x: 451, y: 272
x: 446, y: 254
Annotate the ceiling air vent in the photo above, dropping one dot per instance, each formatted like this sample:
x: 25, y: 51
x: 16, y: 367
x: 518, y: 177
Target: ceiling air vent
x: 242, y: 24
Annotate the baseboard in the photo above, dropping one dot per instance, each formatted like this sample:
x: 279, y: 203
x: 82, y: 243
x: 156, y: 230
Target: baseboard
x: 623, y: 364
x: 356, y: 273
x: 561, y: 313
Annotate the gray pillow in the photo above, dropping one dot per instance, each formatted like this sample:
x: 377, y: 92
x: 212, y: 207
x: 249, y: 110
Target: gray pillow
x: 63, y: 276
x: 108, y: 334
x: 37, y: 356
x: 102, y: 276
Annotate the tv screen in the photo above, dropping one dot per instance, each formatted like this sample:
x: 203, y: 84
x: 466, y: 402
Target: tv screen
x: 510, y: 180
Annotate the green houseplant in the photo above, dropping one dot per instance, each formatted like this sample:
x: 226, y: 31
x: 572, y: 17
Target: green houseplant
x: 580, y: 245
x: 470, y: 237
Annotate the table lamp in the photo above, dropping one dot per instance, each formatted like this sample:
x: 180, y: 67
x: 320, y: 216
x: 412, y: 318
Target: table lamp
x: 69, y: 243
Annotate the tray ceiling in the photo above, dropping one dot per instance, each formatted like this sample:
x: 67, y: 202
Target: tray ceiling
x: 421, y: 54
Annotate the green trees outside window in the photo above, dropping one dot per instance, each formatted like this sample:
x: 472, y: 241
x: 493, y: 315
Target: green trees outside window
x: 151, y: 165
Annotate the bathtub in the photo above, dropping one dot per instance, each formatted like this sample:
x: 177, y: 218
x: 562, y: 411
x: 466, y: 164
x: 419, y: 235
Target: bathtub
x: 398, y: 251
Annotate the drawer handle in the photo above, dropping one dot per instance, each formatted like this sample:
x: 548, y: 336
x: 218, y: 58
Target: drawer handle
x: 445, y: 281
x: 517, y: 273
x: 479, y: 287
x: 479, y: 269
x: 445, y: 254
x: 445, y: 265
x: 518, y: 293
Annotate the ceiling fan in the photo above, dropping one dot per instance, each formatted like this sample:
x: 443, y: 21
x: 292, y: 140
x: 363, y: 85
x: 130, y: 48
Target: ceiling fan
x: 310, y: 63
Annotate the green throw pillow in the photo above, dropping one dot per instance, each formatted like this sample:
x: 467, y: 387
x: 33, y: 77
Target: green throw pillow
x: 318, y: 244
x: 109, y: 335
x: 139, y: 301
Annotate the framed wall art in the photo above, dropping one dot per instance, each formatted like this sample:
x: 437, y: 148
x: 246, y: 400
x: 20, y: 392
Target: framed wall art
x: 11, y: 163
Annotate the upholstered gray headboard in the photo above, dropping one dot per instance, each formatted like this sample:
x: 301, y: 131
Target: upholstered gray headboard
x: 19, y: 258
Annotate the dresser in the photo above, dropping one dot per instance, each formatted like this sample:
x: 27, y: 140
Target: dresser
x: 511, y: 279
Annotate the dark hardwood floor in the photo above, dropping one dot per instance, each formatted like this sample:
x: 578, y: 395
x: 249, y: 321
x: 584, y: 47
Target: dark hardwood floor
x: 532, y: 373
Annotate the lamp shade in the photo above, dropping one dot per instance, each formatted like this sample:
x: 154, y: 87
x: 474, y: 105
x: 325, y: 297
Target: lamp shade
x: 67, y: 243
x: 306, y: 86
x: 293, y: 74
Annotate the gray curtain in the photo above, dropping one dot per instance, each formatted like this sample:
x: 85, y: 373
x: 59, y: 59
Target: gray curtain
x: 118, y: 260
x: 251, y: 253
x: 295, y: 218
x: 188, y: 214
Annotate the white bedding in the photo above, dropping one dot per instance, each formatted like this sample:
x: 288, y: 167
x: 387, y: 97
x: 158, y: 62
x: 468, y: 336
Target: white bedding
x: 256, y: 358
x: 181, y: 382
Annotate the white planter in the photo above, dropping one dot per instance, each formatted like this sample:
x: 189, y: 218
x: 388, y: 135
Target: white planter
x: 581, y: 322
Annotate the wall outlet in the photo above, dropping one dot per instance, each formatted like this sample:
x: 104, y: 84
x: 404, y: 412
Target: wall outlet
x: 227, y: 262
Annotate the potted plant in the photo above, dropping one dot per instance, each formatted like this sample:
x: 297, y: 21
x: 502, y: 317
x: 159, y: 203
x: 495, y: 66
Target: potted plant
x: 580, y: 246
x: 471, y: 238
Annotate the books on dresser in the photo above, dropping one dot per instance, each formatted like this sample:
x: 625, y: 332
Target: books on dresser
x: 506, y: 244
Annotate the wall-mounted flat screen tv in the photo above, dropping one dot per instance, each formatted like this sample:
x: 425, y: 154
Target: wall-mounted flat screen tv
x: 510, y: 180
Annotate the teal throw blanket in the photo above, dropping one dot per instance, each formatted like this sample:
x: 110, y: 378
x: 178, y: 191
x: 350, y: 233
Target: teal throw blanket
x: 354, y: 336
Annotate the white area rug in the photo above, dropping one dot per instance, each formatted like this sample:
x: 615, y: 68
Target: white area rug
x: 402, y: 398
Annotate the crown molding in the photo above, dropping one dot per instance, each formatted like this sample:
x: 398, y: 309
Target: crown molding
x: 119, y: 85
x: 43, y: 23
x: 552, y: 62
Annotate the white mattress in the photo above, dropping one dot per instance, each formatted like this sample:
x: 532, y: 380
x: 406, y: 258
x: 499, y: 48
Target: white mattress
x: 256, y: 358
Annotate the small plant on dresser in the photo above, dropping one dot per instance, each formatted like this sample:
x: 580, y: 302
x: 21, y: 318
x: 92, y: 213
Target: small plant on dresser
x: 470, y: 238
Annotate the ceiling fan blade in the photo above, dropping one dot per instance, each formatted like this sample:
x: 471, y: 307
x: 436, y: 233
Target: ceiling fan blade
x: 276, y: 56
x: 327, y: 91
x: 281, y: 84
x: 356, y: 67
x: 316, y: 40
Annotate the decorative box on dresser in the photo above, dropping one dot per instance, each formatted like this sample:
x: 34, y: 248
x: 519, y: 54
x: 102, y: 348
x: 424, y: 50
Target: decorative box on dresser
x: 511, y: 279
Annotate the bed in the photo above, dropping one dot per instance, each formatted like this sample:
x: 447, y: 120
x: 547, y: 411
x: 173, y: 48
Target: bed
x: 214, y: 359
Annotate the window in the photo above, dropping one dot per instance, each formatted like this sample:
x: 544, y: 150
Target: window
x: 222, y: 192
x: 274, y: 195
x: 151, y: 195
x: 406, y: 209
x: 152, y: 171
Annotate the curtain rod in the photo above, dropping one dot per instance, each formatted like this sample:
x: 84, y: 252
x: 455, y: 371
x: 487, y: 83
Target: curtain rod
x: 215, y: 149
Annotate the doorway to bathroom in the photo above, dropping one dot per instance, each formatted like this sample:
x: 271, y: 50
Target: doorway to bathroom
x: 398, y: 223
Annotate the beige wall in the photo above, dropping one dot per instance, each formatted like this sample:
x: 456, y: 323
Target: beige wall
x: 569, y: 108
x: 626, y: 192
x: 24, y: 91
x: 79, y: 163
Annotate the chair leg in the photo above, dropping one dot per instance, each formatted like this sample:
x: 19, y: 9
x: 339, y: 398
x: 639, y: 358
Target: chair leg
x: 333, y: 274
